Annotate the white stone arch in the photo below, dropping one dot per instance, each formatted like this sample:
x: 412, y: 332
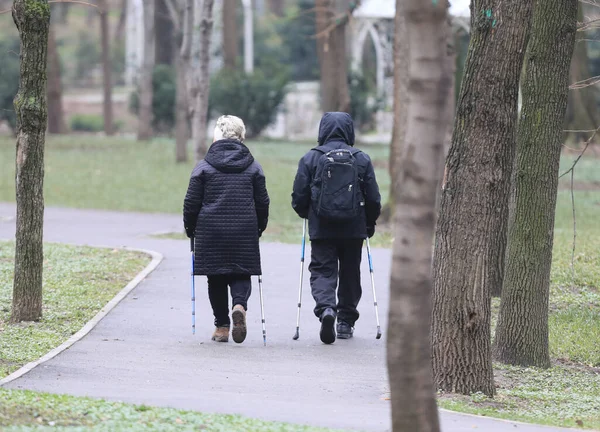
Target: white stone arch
x: 368, y: 28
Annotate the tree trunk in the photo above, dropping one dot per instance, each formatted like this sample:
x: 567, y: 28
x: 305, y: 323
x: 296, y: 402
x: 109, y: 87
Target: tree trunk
x: 408, y: 348
x: 56, y: 116
x: 230, y: 34
x: 475, y: 197
x: 199, y: 82
x: 277, y: 7
x: 120, y: 30
x: 181, y: 115
x: 522, y: 331
x: 106, y: 69
x: 331, y: 50
x: 582, y: 112
x: 146, y: 91
x: 163, y: 25
x: 401, y: 69
x: 32, y: 18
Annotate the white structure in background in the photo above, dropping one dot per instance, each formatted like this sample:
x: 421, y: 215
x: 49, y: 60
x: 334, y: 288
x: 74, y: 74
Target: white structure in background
x: 135, y: 38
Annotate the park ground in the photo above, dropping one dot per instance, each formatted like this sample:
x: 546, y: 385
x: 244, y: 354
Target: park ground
x: 120, y: 174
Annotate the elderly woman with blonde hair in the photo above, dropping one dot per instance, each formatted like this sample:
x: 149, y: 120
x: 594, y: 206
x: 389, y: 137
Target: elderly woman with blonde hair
x: 225, y: 211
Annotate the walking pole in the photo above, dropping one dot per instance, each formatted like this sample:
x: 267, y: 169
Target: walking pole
x: 193, y: 289
x: 373, y: 286
x: 262, y: 310
x: 297, y: 335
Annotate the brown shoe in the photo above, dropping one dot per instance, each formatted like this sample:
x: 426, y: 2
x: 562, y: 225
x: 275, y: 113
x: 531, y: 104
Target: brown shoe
x: 239, y: 324
x: 221, y: 334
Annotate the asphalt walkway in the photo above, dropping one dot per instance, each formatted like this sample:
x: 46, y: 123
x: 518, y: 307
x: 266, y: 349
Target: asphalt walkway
x: 144, y: 352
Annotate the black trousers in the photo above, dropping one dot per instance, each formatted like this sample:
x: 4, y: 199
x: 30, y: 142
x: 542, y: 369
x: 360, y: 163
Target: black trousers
x: 332, y: 260
x: 241, y: 288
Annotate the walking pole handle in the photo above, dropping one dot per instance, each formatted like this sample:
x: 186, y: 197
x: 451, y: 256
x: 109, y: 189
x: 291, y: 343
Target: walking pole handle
x: 192, y: 244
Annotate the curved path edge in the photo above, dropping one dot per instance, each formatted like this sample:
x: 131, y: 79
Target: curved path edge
x: 156, y: 260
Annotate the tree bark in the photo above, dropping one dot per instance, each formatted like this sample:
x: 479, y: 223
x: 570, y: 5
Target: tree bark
x: 582, y: 112
x: 408, y: 348
x: 182, y: 132
x: 120, y: 30
x: 56, y: 115
x: 199, y: 82
x: 277, y: 7
x: 163, y: 25
x: 522, y: 331
x: 331, y: 50
x: 230, y: 34
x: 107, y: 107
x: 474, y: 200
x: 32, y: 18
x: 146, y: 91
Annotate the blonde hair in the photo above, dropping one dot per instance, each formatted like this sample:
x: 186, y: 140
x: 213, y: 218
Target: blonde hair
x: 231, y: 127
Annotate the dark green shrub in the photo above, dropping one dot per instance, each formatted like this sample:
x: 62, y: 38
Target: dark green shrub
x: 9, y: 79
x: 163, y: 100
x: 364, y: 101
x: 87, y: 123
x: 255, y: 98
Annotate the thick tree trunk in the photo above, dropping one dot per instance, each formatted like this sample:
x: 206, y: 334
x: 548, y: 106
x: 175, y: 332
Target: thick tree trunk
x: 107, y: 107
x: 331, y: 50
x: 199, y: 82
x: 164, y: 34
x: 522, y: 331
x: 146, y: 91
x: 582, y: 112
x: 408, y: 348
x: 182, y: 132
x: 32, y: 18
x: 56, y: 116
x: 475, y: 197
x: 230, y: 34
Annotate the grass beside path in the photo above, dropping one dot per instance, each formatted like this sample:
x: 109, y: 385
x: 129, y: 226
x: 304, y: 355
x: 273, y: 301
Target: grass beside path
x: 78, y: 282
x: 122, y: 174
x: 29, y: 411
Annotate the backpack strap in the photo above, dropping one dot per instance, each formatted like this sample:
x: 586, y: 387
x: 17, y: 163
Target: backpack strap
x: 352, y: 150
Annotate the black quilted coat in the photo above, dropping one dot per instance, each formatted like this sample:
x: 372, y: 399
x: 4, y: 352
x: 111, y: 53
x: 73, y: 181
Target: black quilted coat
x: 226, y: 209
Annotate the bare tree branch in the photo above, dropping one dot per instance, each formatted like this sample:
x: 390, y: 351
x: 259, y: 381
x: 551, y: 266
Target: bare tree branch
x: 587, y: 144
x: 338, y: 20
x: 585, y: 83
x: 574, y: 224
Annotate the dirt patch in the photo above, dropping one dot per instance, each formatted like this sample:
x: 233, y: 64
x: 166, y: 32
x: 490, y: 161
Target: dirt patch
x: 579, y: 367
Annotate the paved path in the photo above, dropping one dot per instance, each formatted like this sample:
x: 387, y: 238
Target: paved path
x: 143, y: 351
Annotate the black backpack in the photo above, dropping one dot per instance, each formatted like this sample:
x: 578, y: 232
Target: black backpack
x: 336, y: 193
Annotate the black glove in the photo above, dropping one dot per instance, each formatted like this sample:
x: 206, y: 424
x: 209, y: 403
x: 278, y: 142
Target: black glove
x: 370, y: 231
x: 190, y: 232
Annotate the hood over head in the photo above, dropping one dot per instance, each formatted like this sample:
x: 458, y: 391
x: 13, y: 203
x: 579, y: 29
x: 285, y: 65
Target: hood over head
x: 229, y: 156
x: 336, y: 126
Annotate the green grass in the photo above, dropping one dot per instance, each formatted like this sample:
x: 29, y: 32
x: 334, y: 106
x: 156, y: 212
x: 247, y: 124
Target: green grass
x: 78, y: 282
x: 121, y: 174
x: 29, y: 411
x: 564, y: 395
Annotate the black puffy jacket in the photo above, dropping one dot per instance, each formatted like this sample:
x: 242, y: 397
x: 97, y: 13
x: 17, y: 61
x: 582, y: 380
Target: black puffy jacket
x: 336, y: 131
x: 226, y: 209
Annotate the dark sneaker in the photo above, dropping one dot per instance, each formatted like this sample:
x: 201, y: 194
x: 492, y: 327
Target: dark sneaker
x: 327, y: 326
x: 344, y: 330
x: 238, y: 316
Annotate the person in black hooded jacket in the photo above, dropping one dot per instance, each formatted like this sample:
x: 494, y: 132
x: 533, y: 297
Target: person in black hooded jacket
x: 225, y: 211
x: 336, y: 247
